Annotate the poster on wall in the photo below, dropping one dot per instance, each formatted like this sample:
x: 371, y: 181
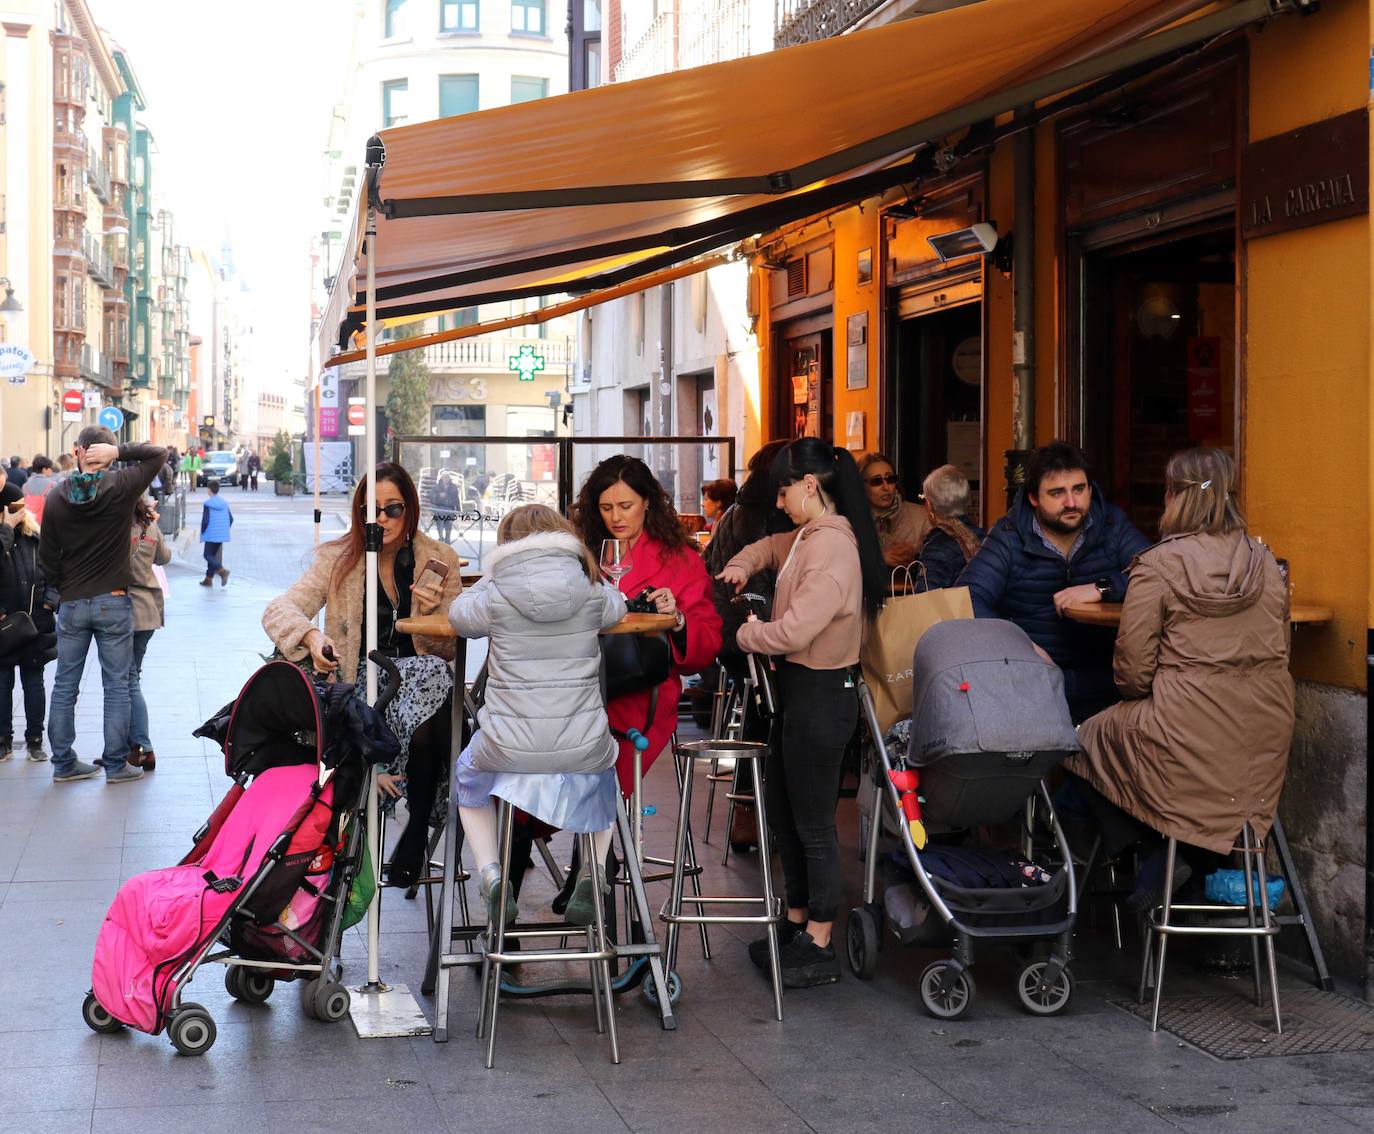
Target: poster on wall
x: 329, y: 403
x: 1204, y: 388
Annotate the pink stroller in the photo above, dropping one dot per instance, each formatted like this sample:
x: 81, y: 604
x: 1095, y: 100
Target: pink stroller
x: 269, y: 876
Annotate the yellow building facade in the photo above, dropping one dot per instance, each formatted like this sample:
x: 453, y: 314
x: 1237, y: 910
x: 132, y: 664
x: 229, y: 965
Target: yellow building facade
x: 1202, y: 274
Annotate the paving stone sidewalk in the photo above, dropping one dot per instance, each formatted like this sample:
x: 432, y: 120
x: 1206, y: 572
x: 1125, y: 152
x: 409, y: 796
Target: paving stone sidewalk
x: 854, y: 1057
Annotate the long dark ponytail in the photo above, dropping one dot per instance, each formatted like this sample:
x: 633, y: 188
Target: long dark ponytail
x: 838, y: 476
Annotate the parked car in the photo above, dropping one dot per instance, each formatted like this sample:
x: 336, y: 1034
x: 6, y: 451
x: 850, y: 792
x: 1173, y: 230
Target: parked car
x: 221, y: 466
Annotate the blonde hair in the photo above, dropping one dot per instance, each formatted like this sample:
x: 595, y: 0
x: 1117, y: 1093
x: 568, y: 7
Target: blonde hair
x: 1199, y: 489
x: 26, y: 524
x: 537, y: 519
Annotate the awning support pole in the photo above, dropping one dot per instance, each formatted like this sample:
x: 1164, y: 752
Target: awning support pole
x: 371, y: 546
x: 1023, y: 310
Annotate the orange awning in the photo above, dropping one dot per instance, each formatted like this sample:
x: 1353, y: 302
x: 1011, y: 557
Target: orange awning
x: 599, y: 187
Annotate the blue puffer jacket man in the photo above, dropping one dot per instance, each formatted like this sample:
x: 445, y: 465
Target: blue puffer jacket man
x: 1015, y: 576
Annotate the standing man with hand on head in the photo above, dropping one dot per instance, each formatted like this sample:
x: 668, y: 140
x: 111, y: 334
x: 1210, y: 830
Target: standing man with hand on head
x: 84, y: 556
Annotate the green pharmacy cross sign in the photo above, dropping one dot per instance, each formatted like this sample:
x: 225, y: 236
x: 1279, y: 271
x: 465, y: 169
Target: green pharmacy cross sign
x: 526, y: 363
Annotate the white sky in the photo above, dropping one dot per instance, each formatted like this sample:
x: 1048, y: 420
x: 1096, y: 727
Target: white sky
x: 239, y: 101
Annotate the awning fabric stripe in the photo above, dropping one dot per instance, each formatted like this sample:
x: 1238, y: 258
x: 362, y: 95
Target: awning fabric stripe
x: 573, y: 192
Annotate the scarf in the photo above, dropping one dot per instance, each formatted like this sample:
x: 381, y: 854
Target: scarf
x: 958, y: 532
x: 83, y: 485
x: 884, y: 518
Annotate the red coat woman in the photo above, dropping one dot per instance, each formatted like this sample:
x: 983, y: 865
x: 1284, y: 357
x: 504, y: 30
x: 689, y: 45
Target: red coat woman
x: 622, y: 500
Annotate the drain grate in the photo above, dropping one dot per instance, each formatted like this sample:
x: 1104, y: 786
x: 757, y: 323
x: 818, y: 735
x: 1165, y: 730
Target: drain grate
x: 1231, y: 1027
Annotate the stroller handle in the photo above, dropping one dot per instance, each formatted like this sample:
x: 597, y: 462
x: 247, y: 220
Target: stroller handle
x: 393, y: 679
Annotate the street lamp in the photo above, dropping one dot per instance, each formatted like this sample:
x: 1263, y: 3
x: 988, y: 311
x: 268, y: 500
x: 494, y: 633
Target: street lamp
x: 11, y: 308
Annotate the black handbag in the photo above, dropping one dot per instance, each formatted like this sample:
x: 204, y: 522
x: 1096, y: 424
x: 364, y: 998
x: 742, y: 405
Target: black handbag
x: 17, y: 636
x: 634, y: 662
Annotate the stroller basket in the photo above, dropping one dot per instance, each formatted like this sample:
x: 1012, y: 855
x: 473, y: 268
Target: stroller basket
x: 1023, y: 907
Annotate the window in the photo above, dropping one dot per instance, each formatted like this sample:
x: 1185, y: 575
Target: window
x: 394, y: 93
x: 526, y: 89
x: 394, y: 20
x: 591, y: 15
x: 458, y: 15
x: 457, y: 95
x: 463, y: 317
x: 527, y: 16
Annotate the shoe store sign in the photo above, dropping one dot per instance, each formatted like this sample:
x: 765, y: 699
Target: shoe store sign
x: 15, y: 363
x: 1308, y: 176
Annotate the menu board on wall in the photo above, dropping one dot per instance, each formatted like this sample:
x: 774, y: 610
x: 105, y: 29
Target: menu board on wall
x: 1204, y: 387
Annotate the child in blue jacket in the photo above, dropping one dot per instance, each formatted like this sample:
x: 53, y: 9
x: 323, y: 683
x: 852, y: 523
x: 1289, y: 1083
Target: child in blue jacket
x: 215, y: 521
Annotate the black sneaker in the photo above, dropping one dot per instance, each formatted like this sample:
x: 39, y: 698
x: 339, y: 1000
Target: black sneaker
x: 805, y: 964
x: 758, y: 950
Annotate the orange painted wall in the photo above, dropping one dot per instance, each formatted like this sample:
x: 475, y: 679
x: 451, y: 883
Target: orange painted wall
x: 1307, y: 337
x: 856, y: 229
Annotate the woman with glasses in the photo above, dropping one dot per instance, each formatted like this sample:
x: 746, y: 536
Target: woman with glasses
x: 902, y: 526
x: 335, y: 582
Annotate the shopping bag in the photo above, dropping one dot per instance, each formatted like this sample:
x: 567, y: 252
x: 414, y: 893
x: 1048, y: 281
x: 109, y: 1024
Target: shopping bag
x: 890, y: 643
x: 161, y: 576
x: 361, y: 892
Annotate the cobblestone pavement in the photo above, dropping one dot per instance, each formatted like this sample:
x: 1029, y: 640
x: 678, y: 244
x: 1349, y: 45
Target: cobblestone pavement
x: 855, y: 1057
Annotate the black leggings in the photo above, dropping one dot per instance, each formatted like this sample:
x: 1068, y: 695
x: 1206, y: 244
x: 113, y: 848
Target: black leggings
x: 429, y: 754
x: 818, y: 713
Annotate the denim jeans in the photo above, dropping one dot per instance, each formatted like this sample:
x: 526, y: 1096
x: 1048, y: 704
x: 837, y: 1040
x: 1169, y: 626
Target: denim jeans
x: 138, y: 707
x: 35, y: 699
x: 109, y: 619
x: 213, y: 558
x: 819, y: 712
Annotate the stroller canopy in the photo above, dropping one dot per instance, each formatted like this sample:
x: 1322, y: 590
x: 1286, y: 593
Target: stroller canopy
x: 283, y: 718
x: 979, y: 686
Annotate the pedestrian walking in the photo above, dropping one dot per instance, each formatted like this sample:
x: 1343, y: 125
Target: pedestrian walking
x: 84, y: 556
x: 254, y: 467
x: 23, y: 589
x: 445, y: 504
x: 194, y: 460
x: 215, y: 521
x: 241, y: 467
x: 147, y: 553
x: 16, y: 474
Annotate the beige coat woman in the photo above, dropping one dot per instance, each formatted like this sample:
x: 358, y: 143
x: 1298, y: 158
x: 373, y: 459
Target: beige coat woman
x: 1200, y: 745
x: 289, y: 618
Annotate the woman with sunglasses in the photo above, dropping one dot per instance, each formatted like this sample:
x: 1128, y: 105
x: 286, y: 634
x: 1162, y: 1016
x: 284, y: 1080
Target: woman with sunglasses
x: 902, y: 526
x: 335, y: 582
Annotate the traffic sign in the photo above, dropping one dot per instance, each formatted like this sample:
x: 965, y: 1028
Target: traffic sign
x: 112, y: 418
x: 71, y: 404
x: 357, y: 417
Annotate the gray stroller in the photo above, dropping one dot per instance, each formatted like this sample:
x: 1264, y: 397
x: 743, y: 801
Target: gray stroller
x: 989, y: 721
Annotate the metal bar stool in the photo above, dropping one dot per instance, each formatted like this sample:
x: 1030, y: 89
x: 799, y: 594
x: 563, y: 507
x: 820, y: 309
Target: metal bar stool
x: 739, y: 750
x: 598, y: 952
x: 723, y: 701
x: 1160, y: 923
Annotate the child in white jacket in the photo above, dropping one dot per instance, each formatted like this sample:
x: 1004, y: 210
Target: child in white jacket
x: 543, y: 740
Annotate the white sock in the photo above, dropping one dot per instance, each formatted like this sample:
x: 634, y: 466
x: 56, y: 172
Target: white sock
x: 479, y: 833
x: 601, y: 843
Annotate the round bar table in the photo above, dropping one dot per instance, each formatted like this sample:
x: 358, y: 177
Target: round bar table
x: 1109, y: 613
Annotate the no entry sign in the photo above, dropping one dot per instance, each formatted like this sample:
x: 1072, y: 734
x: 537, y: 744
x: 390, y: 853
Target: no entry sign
x: 357, y: 417
x: 72, y: 403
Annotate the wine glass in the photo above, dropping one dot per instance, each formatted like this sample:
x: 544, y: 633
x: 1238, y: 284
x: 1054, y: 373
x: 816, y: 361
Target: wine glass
x: 615, y: 558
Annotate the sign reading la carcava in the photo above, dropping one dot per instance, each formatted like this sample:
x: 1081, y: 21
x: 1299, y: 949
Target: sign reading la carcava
x: 1308, y: 176
x: 15, y: 363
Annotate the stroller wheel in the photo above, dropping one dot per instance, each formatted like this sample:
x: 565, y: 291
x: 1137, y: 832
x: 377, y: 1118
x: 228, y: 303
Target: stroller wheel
x: 861, y: 939
x: 330, y: 1001
x: 252, y: 986
x: 649, y: 990
x: 97, y: 1019
x: 1036, y: 998
x: 947, y: 992
x: 306, y: 989
x: 192, y: 1030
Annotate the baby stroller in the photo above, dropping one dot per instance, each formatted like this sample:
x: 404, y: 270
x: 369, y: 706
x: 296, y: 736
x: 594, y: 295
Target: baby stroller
x: 989, y: 722
x: 268, y: 879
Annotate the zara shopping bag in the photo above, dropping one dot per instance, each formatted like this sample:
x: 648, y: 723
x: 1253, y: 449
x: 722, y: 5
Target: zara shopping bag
x: 891, y: 641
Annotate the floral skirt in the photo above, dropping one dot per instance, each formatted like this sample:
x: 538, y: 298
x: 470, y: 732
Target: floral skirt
x: 426, y: 684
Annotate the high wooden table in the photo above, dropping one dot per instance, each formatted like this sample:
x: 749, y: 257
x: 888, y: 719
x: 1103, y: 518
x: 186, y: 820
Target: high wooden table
x: 644, y: 961
x: 1109, y: 613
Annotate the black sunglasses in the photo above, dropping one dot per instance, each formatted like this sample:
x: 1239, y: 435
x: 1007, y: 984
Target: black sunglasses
x: 874, y: 481
x: 392, y: 511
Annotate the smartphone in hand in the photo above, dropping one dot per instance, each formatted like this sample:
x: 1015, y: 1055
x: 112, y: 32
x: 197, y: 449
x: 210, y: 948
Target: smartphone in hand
x: 436, y: 567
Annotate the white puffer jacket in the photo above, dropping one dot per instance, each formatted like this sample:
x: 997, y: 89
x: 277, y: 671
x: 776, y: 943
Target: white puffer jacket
x: 544, y: 710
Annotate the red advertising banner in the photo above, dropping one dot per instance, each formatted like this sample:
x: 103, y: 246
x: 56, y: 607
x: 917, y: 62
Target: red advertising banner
x: 1204, y: 388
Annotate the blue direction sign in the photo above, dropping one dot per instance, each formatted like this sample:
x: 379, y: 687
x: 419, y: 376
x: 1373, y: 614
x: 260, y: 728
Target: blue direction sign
x: 112, y: 418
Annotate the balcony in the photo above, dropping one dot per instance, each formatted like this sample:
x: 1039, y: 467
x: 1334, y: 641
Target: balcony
x: 804, y: 21
x: 95, y: 367
x: 492, y: 353
x: 66, y: 354
x: 98, y: 263
x: 711, y: 31
x: 97, y: 177
x: 654, y: 54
